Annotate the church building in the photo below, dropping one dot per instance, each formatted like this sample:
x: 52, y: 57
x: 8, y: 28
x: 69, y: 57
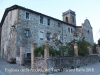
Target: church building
x: 21, y: 26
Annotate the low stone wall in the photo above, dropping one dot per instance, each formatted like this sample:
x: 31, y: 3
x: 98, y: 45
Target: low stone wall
x: 40, y: 64
x: 64, y: 62
x: 67, y: 62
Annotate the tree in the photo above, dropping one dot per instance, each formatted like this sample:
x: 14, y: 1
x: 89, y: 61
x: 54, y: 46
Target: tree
x: 94, y: 48
x: 82, y: 48
x: 40, y: 50
x: 99, y: 42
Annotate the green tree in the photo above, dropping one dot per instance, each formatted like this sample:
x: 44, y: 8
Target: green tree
x: 94, y: 48
x: 39, y: 49
x: 52, y: 51
x: 99, y: 42
x: 82, y: 48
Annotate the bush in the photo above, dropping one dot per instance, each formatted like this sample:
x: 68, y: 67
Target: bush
x: 71, y: 52
x: 82, y: 48
x: 52, y: 51
x: 99, y: 42
x: 39, y: 49
x: 69, y: 48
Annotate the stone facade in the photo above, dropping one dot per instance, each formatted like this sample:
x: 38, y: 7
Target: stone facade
x: 9, y: 35
x: 75, y: 49
x: 87, y: 31
x: 56, y: 64
x: 98, y: 49
x: 22, y: 26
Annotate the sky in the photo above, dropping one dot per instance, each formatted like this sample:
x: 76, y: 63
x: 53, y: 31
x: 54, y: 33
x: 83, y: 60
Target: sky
x: 89, y: 9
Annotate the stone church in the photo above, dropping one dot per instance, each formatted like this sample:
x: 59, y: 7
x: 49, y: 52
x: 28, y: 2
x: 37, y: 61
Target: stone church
x: 21, y: 26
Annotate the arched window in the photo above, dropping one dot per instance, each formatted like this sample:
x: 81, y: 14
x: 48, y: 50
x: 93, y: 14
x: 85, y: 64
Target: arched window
x: 66, y: 19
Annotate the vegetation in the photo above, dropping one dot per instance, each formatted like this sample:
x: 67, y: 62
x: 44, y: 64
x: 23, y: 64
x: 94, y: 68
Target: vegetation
x: 94, y: 48
x: 63, y: 49
x: 53, y: 52
x: 82, y: 48
x: 68, y: 49
x: 99, y: 42
x: 40, y: 50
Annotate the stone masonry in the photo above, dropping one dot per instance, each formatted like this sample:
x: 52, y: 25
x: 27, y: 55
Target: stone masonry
x: 21, y: 26
x: 90, y: 50
x: 21, y: 56
x: 75, y: 49
x: 32, y: 55
x: 98, y: 49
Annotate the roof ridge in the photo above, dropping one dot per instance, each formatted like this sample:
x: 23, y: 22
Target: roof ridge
x: 20, y: 7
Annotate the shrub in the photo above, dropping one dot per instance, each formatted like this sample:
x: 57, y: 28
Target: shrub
x: 52, y: 51
x: 39, y: 49
x: 82, y: 48
x: 71, y: 52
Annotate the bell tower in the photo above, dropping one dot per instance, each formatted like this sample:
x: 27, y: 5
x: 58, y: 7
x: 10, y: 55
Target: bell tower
x: 69, y: 17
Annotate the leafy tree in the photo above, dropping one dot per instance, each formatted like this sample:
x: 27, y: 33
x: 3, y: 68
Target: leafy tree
x: 99, y: 42
x: 82, y: 48
x: 94, y: 48
x: 39, y: 49
x: 69, y: 49
x: 52, y: 51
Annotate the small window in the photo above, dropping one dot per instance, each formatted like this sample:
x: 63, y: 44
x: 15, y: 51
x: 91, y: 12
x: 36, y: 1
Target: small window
x: 66, y: 19
x: 26, y: 32
x: 28, y: 55
x: 27, y: 15
x: 58, y: 24
x: 48, y: 36
x: 41, y: 19
x: 73, y: 18
x: 48, y: 21
x: 88, y: 31
x: 69, y: 30
x: 41, y: 35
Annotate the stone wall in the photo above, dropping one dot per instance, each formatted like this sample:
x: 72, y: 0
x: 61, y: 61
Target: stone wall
x: 38, y: 31
x: 8, y: 35
x: 39, y: 63
x: 65, y: 62
x: 0, y: 39
x: 15, y: 24
x: 87, y: 32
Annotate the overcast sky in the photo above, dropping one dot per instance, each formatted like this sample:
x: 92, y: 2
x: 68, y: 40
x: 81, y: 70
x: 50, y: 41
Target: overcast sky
x: 89, y: 9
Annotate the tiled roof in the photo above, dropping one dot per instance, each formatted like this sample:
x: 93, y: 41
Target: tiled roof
x: 23, y: 8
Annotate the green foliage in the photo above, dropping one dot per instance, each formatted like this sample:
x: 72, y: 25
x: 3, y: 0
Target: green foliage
x: 71, y: 52
x: 82, y: 48
x: 71, y: 48
x: 99, y: 42
x: 39, y: 49
x: 94, y: 48
x: 63, y: 48
x: 52, y: 51
x: 68, y: 49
